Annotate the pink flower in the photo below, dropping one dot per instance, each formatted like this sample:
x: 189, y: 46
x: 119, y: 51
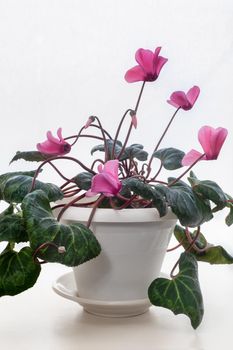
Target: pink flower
x: 149, y: 66
x: 134, y: 119
x: 53, y: 145
x: 211, y: 140
x: 89, y: 121
x: 107, y: 181
x: 180, y: 99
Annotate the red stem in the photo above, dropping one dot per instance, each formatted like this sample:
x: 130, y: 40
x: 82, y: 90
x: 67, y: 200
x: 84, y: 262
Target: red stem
x: 98, y: 201
x: 186, y: 171
x: 160, y: 140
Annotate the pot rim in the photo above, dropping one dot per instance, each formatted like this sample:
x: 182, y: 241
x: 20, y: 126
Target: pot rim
x: 81, y: 214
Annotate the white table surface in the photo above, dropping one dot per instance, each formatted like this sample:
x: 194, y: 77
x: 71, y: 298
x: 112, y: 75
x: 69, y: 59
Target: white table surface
x: 40, y: 319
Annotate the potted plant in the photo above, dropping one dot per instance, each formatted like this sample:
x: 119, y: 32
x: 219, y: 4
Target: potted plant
x: 118, y: 204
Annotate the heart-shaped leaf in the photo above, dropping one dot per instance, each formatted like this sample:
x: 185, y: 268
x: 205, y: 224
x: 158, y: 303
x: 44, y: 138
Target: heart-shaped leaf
x: 18, y: 271
x: 134, y: 151
x: 79, y: 242
x: 17, y: 187
x: 211, y: 254
x: 31, y: 156
x: 109, y: 144
x: 12, y: 228
x: 7, y: 176
x: 170, y: 157
x: 189, y: 208
x: 210, y: 190
x: 182, y: 294
x: 83, y: 180
x: 147, y: 192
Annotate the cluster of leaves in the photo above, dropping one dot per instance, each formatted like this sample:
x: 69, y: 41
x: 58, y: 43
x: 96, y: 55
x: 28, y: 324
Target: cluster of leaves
x: 21, y: 223
x: 29, y: 219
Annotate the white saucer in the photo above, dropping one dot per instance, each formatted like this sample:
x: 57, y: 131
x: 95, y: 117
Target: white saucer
x: 65, y: 287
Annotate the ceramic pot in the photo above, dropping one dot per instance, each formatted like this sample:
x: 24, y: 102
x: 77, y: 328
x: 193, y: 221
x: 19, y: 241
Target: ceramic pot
x: 133, y: 242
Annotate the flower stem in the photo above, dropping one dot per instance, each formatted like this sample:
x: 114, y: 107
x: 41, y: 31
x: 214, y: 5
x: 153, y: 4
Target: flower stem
x: 95, y: 206
x: 104, y: 138
x: 187, y: 250
x: 76, y: 199
x: 118, y: 131
x: 160, y: 140
x: 186, y: 171
x: 131, y: 124
x: 55, y: 158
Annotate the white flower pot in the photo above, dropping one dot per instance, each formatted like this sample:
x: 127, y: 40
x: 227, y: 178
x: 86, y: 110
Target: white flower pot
x: 133, y: 242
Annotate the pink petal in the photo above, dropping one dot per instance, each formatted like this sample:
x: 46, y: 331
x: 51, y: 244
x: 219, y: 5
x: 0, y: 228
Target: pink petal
x: 193, y: 94
x: 48, y: 147
x: 157, y: 51
x: 160, y: 63
x: 89, y: 193
x: 178, y: 99
x: 191, y: 157
x: 134, y: 120
x: 135, y: 74
x: 111, y: 167
x: 220, y: 136
x: 59, y: 134
x: 105, y: 183
x: 212, y: 140
x: 100, y: 168
x: 51, y: 138
x: 173, y: 103
x: 145, y: 59
x: 89, y: 121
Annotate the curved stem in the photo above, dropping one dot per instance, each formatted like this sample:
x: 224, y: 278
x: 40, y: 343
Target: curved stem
x: 190, y: 239
x: 131, y: 124
x: 160, y: 140
x: 95, y: 161
x: 58, y: 171
x: 118, y: 131
x: 60, y: 250
x: 158, y: 172
x: 175, y: 247
x: 104, y: 138
x: 186, y: 171
x: 95, y: 206
x: 76, y: 199
x: 187, y: 250
x: 55, y: 158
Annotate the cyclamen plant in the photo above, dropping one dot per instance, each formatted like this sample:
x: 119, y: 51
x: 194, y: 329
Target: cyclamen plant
x: 123, y: 178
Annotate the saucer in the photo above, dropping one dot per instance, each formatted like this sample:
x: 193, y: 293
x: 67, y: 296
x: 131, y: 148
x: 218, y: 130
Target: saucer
x: 65, y: 287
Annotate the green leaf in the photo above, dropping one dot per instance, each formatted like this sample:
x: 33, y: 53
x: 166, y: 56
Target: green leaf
x: 134, y: 151
x: 210, y: 190
x: 12, y: 228
x: 170, y: 157
x: 147, y: 192
x: 189, y: 208
x: 229, y: 218
x: 182, y: 294
x: 83, y: 180
x: 17, y: 187
x: 31, y: 156
x: 79, y: 242
x: 212, y: 254
x: 7, y: 176
x: 18, y: 271
x: 109, y: 144
x: 130, y: 152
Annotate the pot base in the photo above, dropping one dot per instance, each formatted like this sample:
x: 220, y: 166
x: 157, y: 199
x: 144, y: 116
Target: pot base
x: 65, y: 287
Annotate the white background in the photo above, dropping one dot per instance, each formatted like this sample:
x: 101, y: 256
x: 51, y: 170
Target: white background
x: 61, y: 61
